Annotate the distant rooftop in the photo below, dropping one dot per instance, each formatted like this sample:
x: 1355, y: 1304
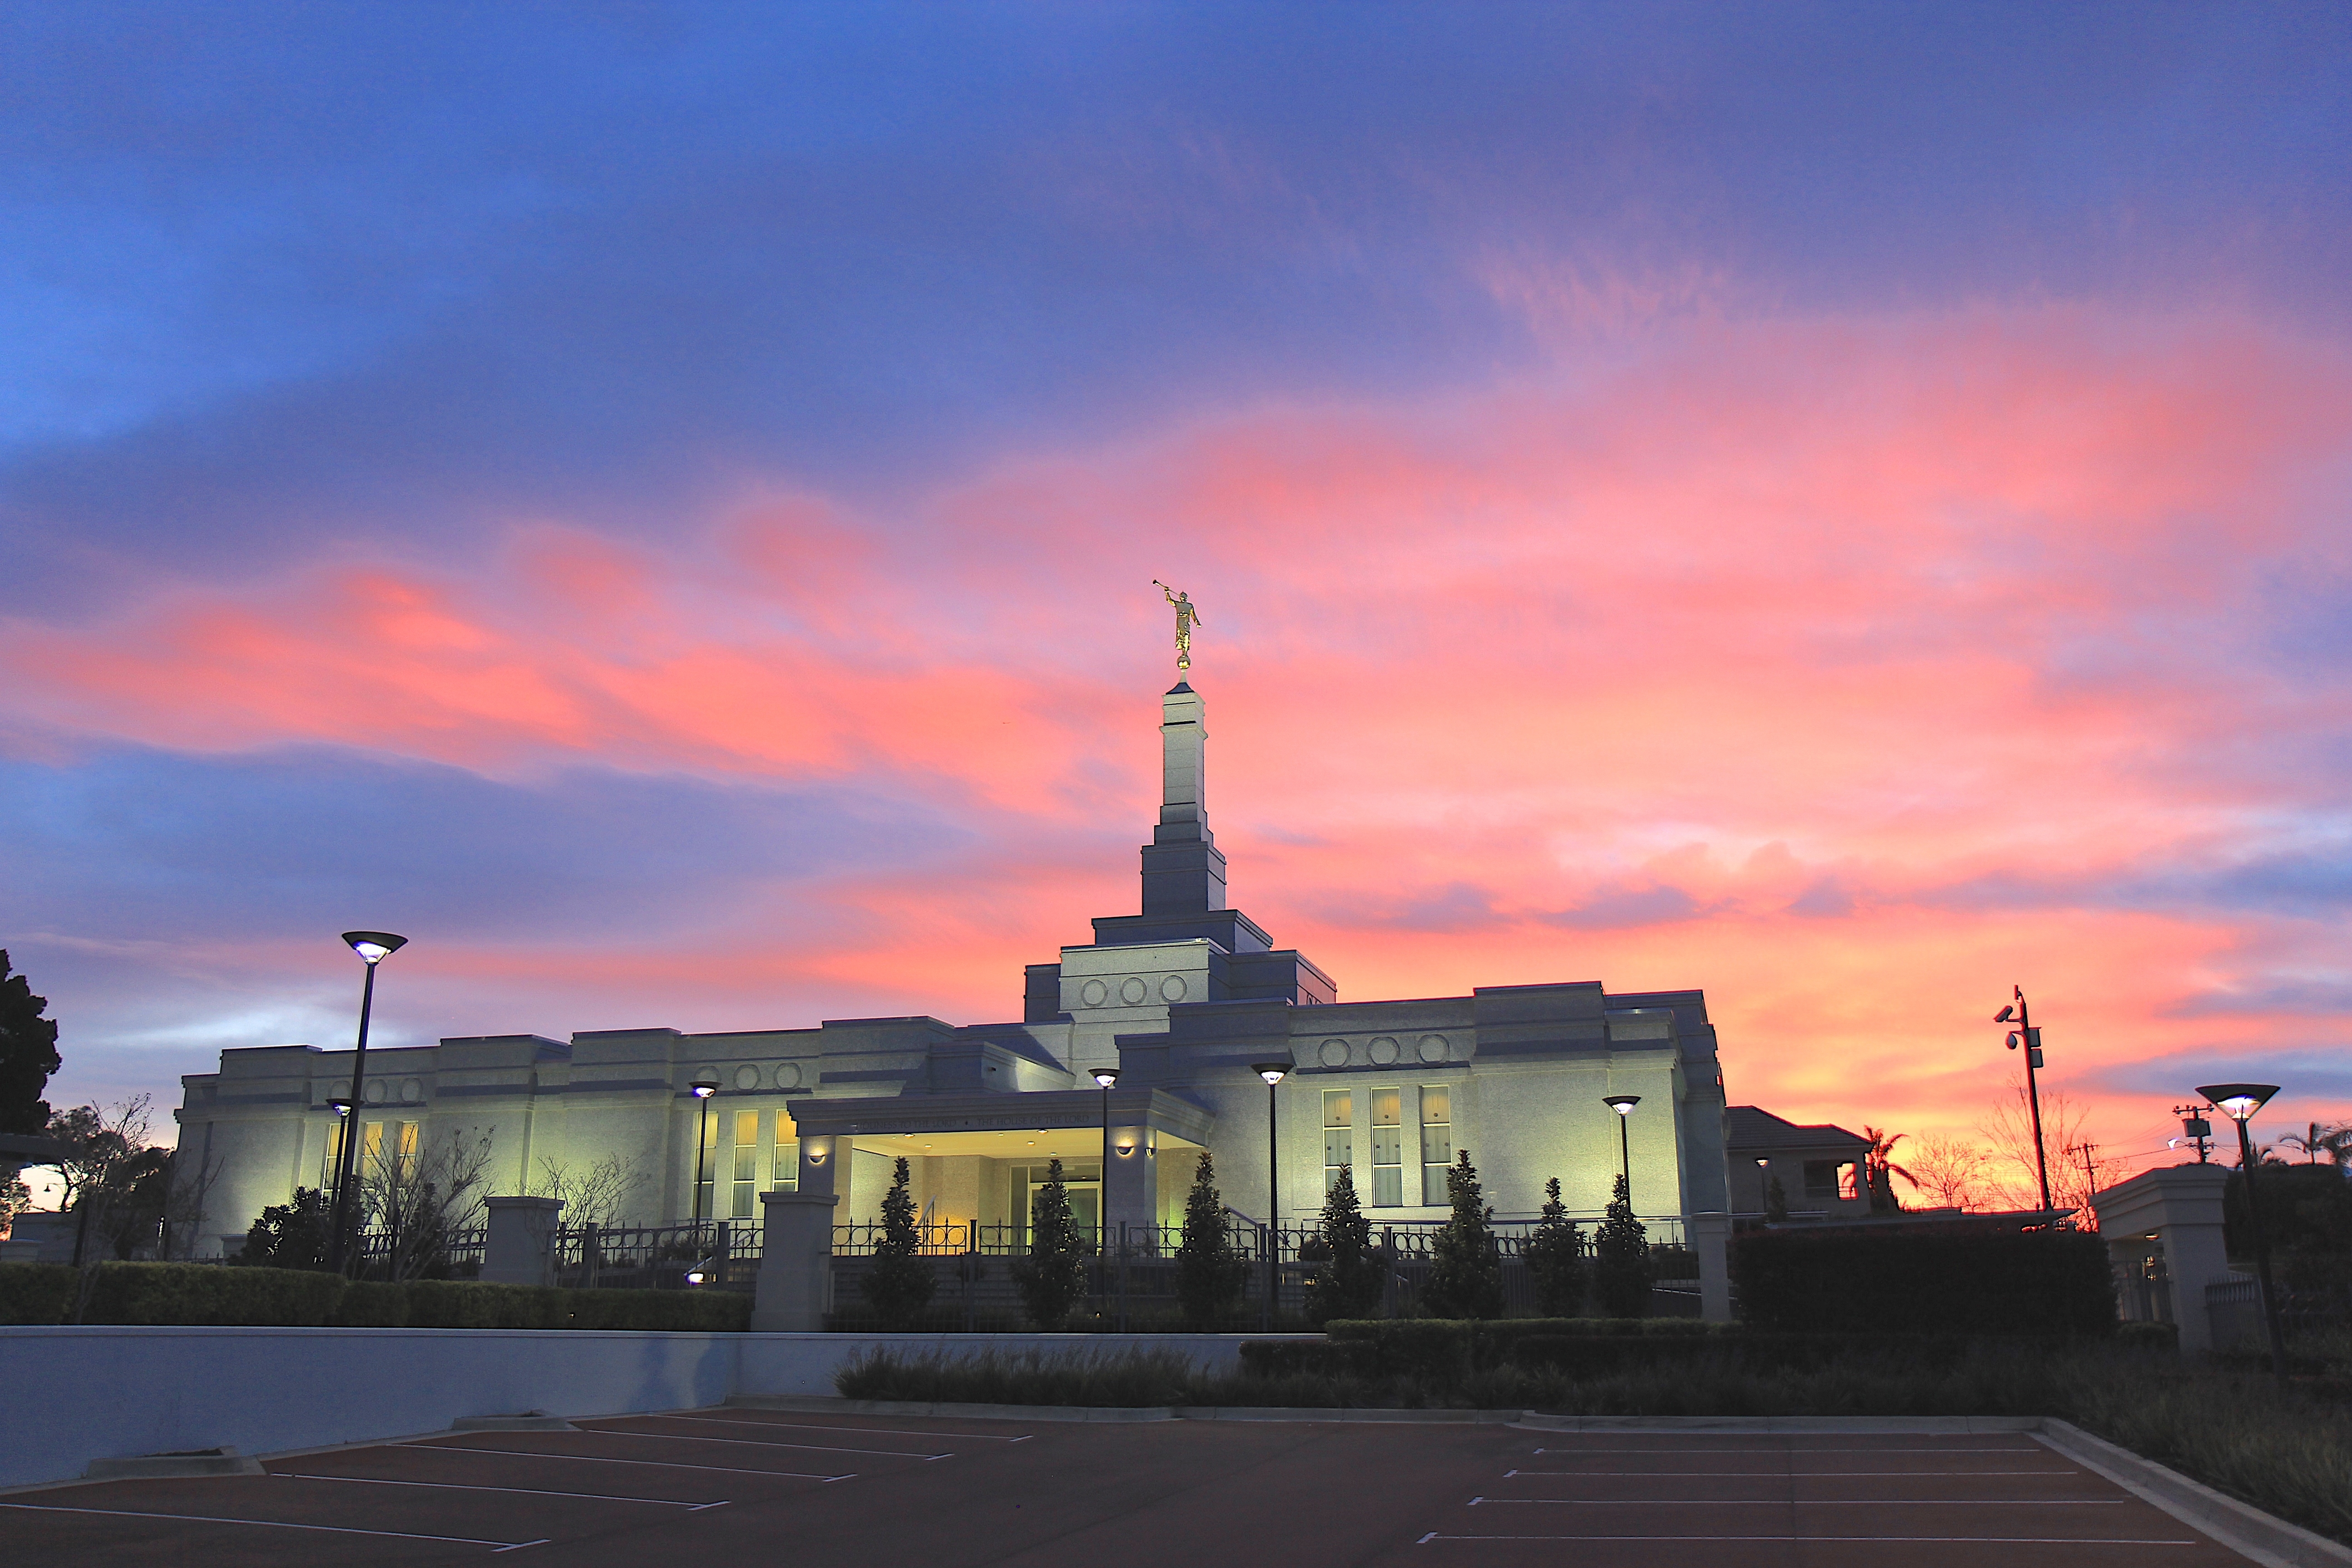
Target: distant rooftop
x: 1749, y: 1127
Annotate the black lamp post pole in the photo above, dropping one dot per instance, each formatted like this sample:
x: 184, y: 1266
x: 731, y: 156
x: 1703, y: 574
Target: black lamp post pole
x: 701, y: 1152
x: 2262, y: 1253
x: 1102, y: 1188
x: 1273, y: 1215
x: 341, y: 1243
x: 1625, y: 1156
x: 2034, y: 1093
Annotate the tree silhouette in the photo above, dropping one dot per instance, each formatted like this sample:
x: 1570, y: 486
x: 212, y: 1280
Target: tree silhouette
x: 1053, y: 1276
x: 1347, y: 1278
x: 29, y: 1054
x: 1555, y: 1255
x: 1466, y: 1276
x: 899, y: 1284
x: 1209, y: 1272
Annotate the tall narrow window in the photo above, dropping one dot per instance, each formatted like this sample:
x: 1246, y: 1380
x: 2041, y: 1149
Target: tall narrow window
x: 747, y: 1164
x: 1338, y: 1124
x: 787, y: 1168
x: 1388, y: 1148
x: 371, y: 1150
x: 706, y: 1200
x: 408, y: 1140
x: 1437, y: 1140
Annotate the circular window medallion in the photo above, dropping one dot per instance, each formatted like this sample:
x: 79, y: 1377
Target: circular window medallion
x: 746, y: 1077
x: 411, y: 1091
x: 374, y: 1094
x: 1093, y: 994
x: 1172, y: 988
x: 1334, y: 1054
x: 788, y: 1075
x: 1383, y: 1051
x: 1433, y: 1047
x: 1132, y: 991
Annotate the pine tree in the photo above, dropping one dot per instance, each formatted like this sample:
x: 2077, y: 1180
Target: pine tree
x: 1347, y: 1278
x: 29, y: 1054
x: 1776, y: 1202
x: 1053, y: 1276
x: 1465, y: 1277
x: 1209, y: 1272
x: 900, y: 1283
x: 1621, y: 1260
x: 1555, y: 1255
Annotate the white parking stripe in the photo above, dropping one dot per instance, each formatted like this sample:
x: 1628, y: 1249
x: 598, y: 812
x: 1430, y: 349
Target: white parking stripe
x: 756, y: 1443
x: 275, y: 1524
x: 1881, y: 1450
x: 1791, y: 1474
x: 520, y: 1491
x: 1886, y: 1540
x: 1810, y: 1501
x: 598, y: 1459
x: 877, y: 1431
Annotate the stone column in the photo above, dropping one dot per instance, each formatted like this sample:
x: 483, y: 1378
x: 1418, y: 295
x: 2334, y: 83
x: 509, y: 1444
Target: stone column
x: 795, y: 1290
x: 1710, y: 1238
x: 2179, y: 1207
x: 1131, y: 1186
x: 519, y: 1241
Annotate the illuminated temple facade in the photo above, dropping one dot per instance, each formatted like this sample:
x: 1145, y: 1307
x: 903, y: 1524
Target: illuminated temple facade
x: 1183, y: 999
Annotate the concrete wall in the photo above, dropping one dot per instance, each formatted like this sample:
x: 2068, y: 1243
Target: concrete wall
x: 81, y: 1393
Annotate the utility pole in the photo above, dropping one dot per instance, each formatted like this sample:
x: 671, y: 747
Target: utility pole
x: 2031, y: 1038
x: 2090, y: 1183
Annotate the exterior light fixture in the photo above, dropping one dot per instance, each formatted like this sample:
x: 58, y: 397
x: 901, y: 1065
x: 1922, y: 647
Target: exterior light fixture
x: 2239, y: 1102
x: 2027, y: 1036
x: 1623, y: 1104
x: 373, y: 947
x: 1274, y: 1073
x: 1104, y: 1078
x: 702, y: 1088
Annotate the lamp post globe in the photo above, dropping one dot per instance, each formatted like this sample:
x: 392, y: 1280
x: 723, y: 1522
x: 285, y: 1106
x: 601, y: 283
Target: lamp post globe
x: 373, y: 947
x: 2239, y: 1102
x: 702, y: 1088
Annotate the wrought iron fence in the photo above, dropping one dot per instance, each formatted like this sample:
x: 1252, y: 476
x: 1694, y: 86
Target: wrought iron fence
x: 721, y: 1255
x: 1401, y: 1239
x: 447, y: 1255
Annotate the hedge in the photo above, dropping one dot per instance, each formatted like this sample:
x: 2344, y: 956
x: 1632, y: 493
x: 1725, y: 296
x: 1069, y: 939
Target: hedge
x: 1985, y: 1282
x: 159, y: 1293
x: 1446, y: 1347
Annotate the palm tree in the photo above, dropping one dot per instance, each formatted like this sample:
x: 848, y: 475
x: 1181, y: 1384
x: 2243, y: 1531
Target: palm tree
x: 1880, y: 1170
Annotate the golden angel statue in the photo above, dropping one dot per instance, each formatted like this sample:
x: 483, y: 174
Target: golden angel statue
x: 1187, y: 617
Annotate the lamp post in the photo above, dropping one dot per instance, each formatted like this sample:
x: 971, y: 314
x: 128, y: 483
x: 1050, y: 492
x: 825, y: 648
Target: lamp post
x: 702, y: 1088
x: 2239, y: 1102
x: 373, y: 947
x: 342, y: 1107
x: 1104, y: 1079
x: 1274, y: 1073
x: 2031, y: 1038
x: 1623, y: 1104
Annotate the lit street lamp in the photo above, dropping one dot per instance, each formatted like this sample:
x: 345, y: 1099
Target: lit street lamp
x: 1274, y: 1073
x: 2025, y: 1034
x: 1104, y: 1079
x: 1623, y: 1104
x: 373, y: 947
x: 702, y: 1088
x: 2239, y: 1102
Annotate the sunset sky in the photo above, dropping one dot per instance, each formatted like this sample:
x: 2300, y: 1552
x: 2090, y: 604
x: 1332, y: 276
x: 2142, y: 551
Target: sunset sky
x: 1844, y: 507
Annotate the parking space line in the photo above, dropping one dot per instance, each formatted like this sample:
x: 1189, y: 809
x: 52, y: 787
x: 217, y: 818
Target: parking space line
x: 520, y: 1492
x: 814, y: 1426
x: 1810, y: 1502
x: 2011, y: 1448
x: 275, y: 1524
x: 599, y: 1459
x: 756, y: 1443
x: 1793, y: 1475
x: 1859, y: 1539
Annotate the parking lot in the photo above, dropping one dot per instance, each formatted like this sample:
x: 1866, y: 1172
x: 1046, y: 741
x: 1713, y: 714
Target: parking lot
x: 845, y: 1489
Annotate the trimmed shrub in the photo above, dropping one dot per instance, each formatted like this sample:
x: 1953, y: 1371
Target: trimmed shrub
x: 1465, y: 1273
x: 35, y: 1292
x: 1980, y: 1282
x: 370, y: 1304
x: 206, y: 1293
x: 673, y: 1311
x: 900, y: 1283
x: 1323, y: 1358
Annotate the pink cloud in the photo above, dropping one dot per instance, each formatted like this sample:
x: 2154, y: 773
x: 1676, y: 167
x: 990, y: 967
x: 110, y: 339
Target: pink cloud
x: 1724, y: 665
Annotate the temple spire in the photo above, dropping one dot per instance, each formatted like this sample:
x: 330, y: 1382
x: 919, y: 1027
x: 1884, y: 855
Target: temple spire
x: 1183, y: 871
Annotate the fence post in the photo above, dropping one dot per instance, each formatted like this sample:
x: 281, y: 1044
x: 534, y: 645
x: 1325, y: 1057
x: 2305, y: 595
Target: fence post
x: 519, y: 1240
x: 796, y: 1285
x: 1710, y: 1237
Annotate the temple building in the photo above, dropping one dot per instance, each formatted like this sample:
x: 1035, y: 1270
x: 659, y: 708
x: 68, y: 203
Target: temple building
x: 1185, y: 1000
